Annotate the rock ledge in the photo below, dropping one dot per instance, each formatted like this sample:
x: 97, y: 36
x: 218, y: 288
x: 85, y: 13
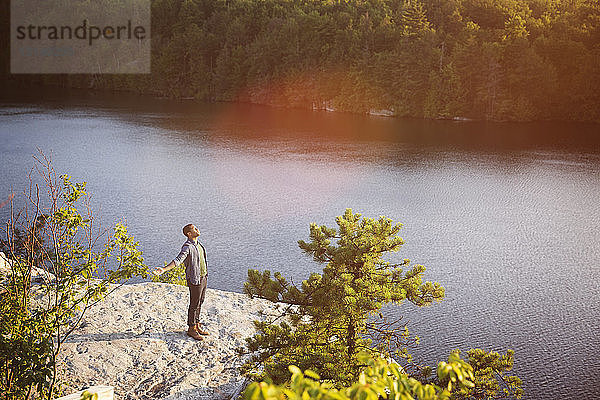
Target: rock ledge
x: 135, y: 340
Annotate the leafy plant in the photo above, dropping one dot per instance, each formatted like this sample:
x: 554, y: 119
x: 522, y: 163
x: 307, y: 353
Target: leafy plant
x: 379, y: 380
x: 490, y: 378
x: 86, y: 395
x: 56, y: 240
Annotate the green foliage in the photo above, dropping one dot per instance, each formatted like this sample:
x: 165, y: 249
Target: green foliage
x: 174, y: 276
x: 332, y: 326
x: 88, y: 395
x: 432, y: 58
x: 446, y: 95
x: 379, y: 380
x: 25, y: 348
x: 77, y: 265
x: 330, y: 316
x: 413, y: 19
x: 490, y: 377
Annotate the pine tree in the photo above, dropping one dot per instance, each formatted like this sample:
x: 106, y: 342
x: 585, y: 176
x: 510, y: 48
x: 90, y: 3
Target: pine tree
x: 414, y: 20
x: 334, y: 315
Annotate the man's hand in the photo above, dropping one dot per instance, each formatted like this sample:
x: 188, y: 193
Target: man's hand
x: 158, y: 271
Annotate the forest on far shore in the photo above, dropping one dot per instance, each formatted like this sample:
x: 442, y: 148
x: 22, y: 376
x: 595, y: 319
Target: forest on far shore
x: 512, y: 60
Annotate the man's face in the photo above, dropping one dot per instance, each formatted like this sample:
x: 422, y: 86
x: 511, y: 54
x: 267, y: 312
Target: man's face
x: 193, y: 232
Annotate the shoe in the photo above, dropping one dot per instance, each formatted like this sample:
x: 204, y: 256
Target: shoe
x: 193, y: 333
x: 200, y: 330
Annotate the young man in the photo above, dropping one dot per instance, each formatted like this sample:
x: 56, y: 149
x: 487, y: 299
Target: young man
x: 193, y: 256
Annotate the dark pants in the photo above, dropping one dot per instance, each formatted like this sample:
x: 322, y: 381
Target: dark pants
x: 196, y: 299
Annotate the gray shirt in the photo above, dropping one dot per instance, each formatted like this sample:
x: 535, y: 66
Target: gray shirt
x: 193, y: 256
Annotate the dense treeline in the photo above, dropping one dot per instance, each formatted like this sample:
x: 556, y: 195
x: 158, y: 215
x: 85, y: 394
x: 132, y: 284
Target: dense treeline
x: 485, y: 59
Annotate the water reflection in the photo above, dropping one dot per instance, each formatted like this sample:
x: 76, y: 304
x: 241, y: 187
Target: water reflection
x: 505, y: 216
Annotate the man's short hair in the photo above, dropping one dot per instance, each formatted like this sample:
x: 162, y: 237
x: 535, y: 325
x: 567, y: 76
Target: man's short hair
x: 187, y: 228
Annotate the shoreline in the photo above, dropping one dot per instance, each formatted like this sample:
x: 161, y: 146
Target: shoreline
x: 373, y: 112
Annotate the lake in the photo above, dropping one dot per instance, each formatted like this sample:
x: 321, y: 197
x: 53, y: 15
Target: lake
x: 505, y: 216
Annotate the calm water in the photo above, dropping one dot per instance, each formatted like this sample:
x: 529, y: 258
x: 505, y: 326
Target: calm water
x: 505, y: 216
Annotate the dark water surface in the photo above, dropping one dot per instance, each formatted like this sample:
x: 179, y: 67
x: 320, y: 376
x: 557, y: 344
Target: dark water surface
x: 505, y: 216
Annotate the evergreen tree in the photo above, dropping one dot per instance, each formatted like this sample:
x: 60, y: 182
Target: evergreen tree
x: 446, y: 94
x: 332, y: 316
x: 413, y: 19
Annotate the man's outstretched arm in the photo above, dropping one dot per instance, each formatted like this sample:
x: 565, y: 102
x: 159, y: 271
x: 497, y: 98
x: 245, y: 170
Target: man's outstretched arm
x: 160, y: 270
x: 177, y: 261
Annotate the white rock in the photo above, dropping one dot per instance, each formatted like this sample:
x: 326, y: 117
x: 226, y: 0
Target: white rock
x: 4, y: 264
x: 38, y: 275
x: 382, y: 113
x: 103, y: 392
x: 135, y: 340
